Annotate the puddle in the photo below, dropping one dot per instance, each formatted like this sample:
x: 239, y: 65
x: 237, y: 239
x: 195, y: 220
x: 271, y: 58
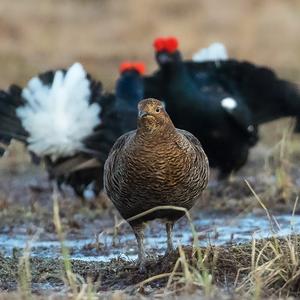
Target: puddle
x: 214, y: 230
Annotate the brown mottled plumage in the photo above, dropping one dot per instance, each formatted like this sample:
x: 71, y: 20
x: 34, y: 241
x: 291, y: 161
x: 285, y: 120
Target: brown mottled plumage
x: 155, y: 165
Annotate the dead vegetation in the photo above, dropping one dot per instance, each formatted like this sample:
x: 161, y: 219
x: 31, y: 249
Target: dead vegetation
x: 257, y: 270
x: 261, y: 269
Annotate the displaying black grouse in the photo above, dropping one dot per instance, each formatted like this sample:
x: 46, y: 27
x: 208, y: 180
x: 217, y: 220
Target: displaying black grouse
x: 225, y: 134
x: 155, y: 165
x: 224, y: 100
x: 65, y: 118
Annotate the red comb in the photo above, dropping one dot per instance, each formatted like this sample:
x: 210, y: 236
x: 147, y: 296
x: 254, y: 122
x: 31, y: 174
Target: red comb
x: 159, y: 44
x: 128, y: 66
x: 169, y: 45
x: 124, y: 66
x: 139, y: 67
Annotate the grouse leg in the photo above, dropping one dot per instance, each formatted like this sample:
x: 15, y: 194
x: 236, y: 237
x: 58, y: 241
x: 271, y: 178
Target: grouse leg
x: 57, y: 190
x: 169, y: 229
x: 139, y: 234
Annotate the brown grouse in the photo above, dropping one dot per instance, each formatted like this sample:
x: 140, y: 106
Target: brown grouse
x: 155, y: 165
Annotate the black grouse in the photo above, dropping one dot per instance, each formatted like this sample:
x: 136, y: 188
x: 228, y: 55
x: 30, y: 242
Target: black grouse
x: 155, y: 165
x: 224, y: 100
x: 225, y: 133
x: 65, y: 118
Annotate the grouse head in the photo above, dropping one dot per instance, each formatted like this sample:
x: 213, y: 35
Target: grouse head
x: 130, y: 84
x: 152, y: 117
x: 166, y: 50
x: 132, y: 67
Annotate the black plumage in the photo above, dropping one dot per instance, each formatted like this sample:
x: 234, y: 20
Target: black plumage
x: 195, y: 95
x: 152, y: 166
x: 82, y: 170
x: 225, y: 136
x: 119, y: 112
x: 10, y: 124
x: 267, y: 96
x: 11, y: 127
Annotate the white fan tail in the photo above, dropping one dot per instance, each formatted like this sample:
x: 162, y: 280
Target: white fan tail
x: 214, y: 52
x: 58, y: 116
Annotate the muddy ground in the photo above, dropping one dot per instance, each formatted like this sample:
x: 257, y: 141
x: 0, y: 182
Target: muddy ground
x: 102, y: 248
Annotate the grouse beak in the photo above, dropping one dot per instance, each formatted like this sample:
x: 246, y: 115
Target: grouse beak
x: 143, y: 114
x: 163, y: 57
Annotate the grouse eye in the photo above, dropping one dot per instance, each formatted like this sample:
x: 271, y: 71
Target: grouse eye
x: 157, y: 109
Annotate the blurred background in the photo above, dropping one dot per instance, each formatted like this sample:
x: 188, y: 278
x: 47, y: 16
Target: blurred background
x: 39, y: 35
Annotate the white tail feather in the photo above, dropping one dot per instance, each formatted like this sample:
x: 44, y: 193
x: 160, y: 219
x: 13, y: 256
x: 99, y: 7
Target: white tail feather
x: 214, y: 52
x: 59, y: 117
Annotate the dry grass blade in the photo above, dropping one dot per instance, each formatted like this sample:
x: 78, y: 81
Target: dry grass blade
x: 168, y: 207
x: 172, y: 275
x: 275, y: 268
x: 156, y: 277
x: 293, y: 213
x: 272, y: 220
x: 70, y: 277
x: 25, y: 269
